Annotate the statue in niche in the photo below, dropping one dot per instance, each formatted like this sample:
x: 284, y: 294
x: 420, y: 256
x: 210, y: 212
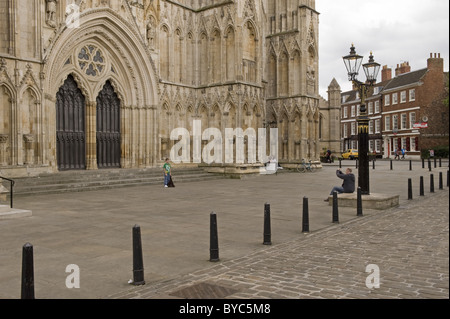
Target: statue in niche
x: 151, y: 32
x: 51, y: 12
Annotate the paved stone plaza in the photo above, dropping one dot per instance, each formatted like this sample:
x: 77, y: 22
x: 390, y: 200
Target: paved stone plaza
x: 409, y: 244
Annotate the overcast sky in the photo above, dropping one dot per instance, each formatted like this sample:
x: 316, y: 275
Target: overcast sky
x: 395, y: 30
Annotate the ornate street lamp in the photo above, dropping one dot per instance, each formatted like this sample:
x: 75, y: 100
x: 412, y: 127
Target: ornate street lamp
x: 353, y: 63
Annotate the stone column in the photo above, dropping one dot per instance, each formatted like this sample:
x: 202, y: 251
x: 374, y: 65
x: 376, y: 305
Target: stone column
x: 91, y: 135
x: 3, y: 146
x: 29, y: 148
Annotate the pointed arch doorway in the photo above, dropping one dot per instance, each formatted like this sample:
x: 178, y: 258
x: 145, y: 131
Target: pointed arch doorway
x: 108, y: 135
x: 70, y: 126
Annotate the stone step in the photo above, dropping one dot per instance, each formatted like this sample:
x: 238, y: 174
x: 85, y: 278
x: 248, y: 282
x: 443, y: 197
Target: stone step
x: 7, y: 213
x: 73, y: 181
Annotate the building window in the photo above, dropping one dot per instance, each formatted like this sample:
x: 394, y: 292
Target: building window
x: 403, y: 97
x: 387, y: 123
x: 404, y: 143
x: 344, y: 132
x: 412, y: 119
x: 378, y: 146
x: 404, y: 123
x: 377, y: 126
x: 377, y: 107
x: 353, y: 111
x: 412, y: 143
x: 353, y: 128
x: 345, y: 112
x: 370, y: 107
x: 357, y: 110
x: 370, y: 127
x: 387, y: 100
x: 412, y: 95
x: 395, y: 122
x: 371, y: 146
x: 394, y: 98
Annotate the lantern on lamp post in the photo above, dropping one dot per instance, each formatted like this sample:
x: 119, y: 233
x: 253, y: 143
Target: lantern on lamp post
x: 353, y: 63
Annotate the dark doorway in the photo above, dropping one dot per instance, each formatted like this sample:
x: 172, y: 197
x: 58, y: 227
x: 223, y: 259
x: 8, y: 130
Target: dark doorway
x: 108, y: 128
x: 70, y: 126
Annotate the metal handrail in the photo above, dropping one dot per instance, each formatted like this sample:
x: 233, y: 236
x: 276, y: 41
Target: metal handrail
x: 10, y: 190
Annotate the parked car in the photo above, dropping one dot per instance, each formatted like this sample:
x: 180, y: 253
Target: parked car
x: 350, y: 154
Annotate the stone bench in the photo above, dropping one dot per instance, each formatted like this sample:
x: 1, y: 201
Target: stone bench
x: 372, y: 201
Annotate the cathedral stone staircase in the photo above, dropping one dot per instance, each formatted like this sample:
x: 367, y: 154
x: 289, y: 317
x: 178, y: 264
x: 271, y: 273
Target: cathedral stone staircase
x: 78, y: 181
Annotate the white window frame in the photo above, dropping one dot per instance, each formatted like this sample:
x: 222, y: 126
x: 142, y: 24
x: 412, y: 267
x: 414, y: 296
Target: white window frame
x: 387, y: 123
x: 404, y: 121
x: 395, y: 122
x: 403, y: 97
x: 394, y: 98
x: 353, y: 111
x: 370, y: 127
x: 345, y: 130
x: 370, y: 108
x: 353, y: 128
x: 412, y: 144
x: 412, y: 119
x: 377, y: 126
x: 377, y: 107
x: 412, y: 95
x: 345, y: 112
x: 387, y: 100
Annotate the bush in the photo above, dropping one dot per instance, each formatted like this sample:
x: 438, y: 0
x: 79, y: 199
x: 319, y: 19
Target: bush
x: 439, y: 152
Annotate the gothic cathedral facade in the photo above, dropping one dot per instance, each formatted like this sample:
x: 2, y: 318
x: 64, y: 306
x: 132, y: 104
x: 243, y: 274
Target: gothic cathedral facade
x: 91, y: 84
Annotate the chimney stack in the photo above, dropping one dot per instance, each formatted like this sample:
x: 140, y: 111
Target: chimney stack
x: 402, y: 68
x: 386, y: 73
x: 436, y: 62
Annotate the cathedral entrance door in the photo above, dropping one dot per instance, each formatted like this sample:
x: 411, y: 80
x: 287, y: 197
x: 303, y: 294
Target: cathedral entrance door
x: 108, y: 128
x: 70, y: 126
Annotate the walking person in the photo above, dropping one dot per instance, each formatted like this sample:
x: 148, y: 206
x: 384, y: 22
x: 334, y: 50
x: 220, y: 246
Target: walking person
x: 403, y: 153
x: 348, y: 186
x: 397, y: 154
x: 167, y: 172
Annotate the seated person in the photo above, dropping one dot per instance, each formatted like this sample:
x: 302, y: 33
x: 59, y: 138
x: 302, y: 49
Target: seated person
x: 348, y: 186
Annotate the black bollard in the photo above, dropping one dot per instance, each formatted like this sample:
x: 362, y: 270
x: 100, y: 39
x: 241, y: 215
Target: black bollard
x: 305, y: 223
x: 359, y: 211
x: 391, y: 165
x: 423, y: 163
x: 435, y: 162
x: 441, y: 186
x: 27, y: 272
x: 429, y: 165
x: 138, y: 263
x: 214, y: 239
x: 340, y: 163
x: 440, y: 162
x: 267, y: 228
x: 410, y: 195
x: 431, y: 183
x: 422, y: 192
x: 373, y: 164
x: 410, y: 165
x: 356, y: 165
x: 335, y: 208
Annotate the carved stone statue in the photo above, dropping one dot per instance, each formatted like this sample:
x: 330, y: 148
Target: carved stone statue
x: 151, y: 32
x: 51, y: 12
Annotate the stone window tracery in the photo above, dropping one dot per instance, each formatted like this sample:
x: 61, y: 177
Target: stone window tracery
x: 91, y: 60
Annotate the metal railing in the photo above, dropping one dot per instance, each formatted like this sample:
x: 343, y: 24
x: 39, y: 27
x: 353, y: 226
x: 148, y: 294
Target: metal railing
x: 11, y: 191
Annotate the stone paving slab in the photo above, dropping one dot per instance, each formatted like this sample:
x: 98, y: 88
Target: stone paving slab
x: 93, y: 230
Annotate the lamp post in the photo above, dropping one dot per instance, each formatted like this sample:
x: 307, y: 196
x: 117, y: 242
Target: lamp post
x: 353, y: 63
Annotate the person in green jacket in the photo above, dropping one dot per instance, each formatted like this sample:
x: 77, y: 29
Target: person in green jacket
x: 167, y: 172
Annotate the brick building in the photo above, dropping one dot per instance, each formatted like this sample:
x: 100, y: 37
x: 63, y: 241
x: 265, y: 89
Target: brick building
x: 405, y: 111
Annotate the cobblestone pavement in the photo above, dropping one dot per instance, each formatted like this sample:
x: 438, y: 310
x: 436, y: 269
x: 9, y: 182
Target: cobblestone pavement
x: 410, y: 246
